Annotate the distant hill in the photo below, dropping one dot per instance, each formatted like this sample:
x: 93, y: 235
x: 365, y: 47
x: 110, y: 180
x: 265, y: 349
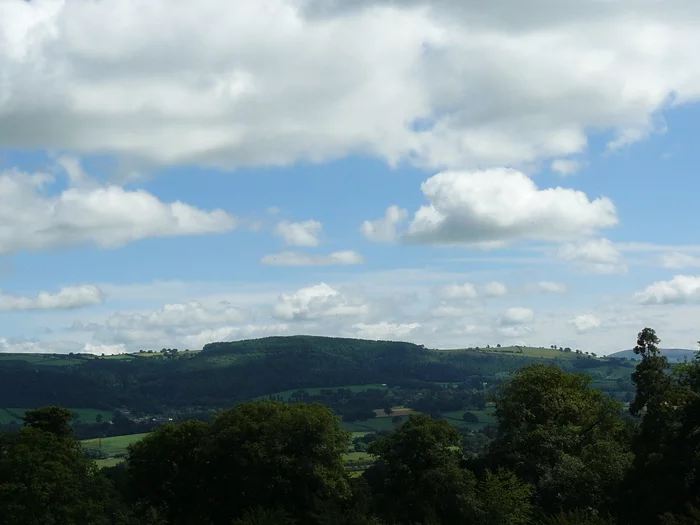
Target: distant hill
x: 224, y: 373
x: 674, y: 355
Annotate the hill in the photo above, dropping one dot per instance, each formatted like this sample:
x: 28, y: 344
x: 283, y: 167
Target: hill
x: 674, y: 355
x: 144, y: 389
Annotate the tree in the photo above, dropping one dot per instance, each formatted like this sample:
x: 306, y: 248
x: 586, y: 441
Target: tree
x: 388, y: 410
x: 666, y: 474
x: 46, y: 480
x: 165, y: 471
x: 562, y: 436
x: 503, y: 499
x: 264, y: 454
x: 396, y: 420
x: 418, y: 477
x: 275, y: 455
x: 470, y: 417
x: 53, y: 419
x: 650, y: 377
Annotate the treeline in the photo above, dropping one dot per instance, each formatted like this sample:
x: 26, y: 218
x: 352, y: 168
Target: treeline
x: 430, y: 398
x: 562, y: 453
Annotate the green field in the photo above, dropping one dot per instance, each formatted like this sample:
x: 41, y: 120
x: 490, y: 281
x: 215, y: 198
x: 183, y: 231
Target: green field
x: 370, y: 425
x: 102, y: 463
x: 43, y: 359
x: 85, y: 415
x: 486, y: 417
x: 524, y: 351
x: 357, y: 457
x: 113, y: 445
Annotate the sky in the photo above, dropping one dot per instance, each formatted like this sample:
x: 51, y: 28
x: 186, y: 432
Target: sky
x: 452, y: 173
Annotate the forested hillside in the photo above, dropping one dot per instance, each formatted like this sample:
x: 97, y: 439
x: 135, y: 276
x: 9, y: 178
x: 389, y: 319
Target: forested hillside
x: 224, y: 373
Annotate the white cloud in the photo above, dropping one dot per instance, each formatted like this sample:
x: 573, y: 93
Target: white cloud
x: 66, y: 298
x: 233, y: 333
x: 680, y: 289
x: 89, y: 348
x: 457, y: 291
x: 451, y: 311
x: 679, y: 260
x: 319, y: 301
x: 585, y: 322
x: 550, y: 286
x: 565, y: 166
x: 222, y: 84
x: 516, y: 331
x: 304, y: 233
x: 517, y: 316
x: 347, y: 257
x: 594, y: 256
x: 384, y: 331
x: 107, y: 217
x: 178, y: 316
x: 494, y: 289
x: 385, y: 229
x: 503, y: 205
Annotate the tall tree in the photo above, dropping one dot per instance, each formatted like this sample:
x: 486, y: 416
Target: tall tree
x: 650, y: 376
x: 560, y: 435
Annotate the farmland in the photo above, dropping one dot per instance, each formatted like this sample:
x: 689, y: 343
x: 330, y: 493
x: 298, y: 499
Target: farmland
x: 112, y: 446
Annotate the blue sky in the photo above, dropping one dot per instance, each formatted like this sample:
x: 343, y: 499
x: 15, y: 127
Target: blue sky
x: 433, y: 172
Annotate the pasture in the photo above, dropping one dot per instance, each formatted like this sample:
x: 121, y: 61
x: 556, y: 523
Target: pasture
x: 112, y: 445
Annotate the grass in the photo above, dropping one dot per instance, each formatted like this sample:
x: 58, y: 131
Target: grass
x: 357, y: 457
x: 43, y: 359
x: 113, y: 445
x: 520, y: 351
x: 102, y: 463
x: 486, y: 417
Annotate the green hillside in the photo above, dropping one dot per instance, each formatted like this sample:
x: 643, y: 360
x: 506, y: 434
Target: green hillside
x: 355, y: 377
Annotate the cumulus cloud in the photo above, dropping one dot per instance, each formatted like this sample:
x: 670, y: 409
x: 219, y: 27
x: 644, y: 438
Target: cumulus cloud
x: 501, y: 205
x: 550, y: 286
x: 494, y: 289
x: 517, y: 316
x: 679, y: 260
x: 384, y: 331
x: 233, y: 333
x: 585, y: 322
x: 457, y: 291
x: 178, y: 316
x: 66, y: 298
x: 680, y: 289
x: 105, y: 216
x: 599, y: 256
x: 347, y: 257
x: 319, y: 301
x: 565, y: 166
x: 304, y: 233
x: 221, y: 84
x: 385, y: 228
